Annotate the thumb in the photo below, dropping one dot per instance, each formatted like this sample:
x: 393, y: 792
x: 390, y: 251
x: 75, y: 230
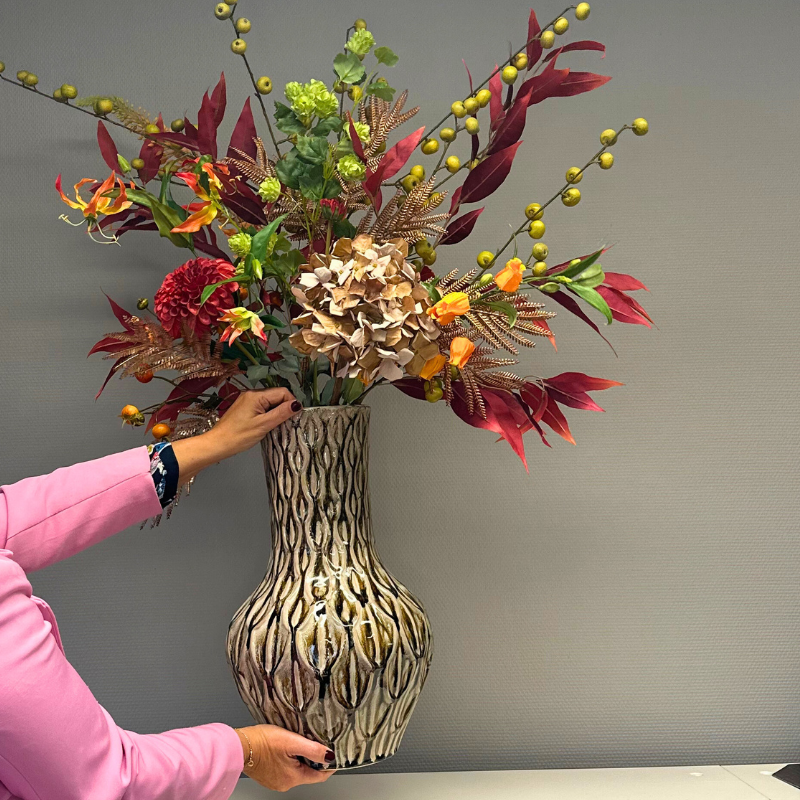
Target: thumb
x: 313, y: 751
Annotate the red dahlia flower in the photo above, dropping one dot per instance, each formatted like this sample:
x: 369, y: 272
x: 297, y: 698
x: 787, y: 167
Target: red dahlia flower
x: 177, y: 302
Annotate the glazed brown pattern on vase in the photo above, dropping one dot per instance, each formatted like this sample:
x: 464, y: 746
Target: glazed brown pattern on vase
x: 330, y: 645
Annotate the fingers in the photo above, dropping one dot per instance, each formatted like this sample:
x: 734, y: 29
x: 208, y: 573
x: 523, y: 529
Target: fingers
x: 279, y: 414
x: 265, y: 399
x: 313, y: 751
x: 309, y: 775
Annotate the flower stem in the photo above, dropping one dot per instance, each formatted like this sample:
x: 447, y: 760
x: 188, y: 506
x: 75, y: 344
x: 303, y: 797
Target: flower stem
x: 258, y: 94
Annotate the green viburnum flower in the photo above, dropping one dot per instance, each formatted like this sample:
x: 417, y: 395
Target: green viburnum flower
x: 304, y: 105
x: 292, y: 90
x: 315, y: 87
x: 239, y: 244
x: 351, y: 168
x: 326, y: 104
x: 362, y: 129
x: 269, y: 190
x: 360, y: 43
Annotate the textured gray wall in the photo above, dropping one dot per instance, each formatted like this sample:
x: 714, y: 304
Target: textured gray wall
x: 632, y: 601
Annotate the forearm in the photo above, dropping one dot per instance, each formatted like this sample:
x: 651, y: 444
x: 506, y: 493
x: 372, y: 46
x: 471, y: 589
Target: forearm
x: 57, y: 743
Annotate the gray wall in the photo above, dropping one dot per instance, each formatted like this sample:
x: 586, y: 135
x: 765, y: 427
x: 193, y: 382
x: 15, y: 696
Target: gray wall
x: 632, y: 601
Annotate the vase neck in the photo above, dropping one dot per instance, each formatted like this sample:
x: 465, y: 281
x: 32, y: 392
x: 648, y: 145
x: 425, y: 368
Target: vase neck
x: 317, y: 473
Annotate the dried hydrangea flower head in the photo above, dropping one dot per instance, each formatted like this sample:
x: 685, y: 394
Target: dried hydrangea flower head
x: 365, y: 310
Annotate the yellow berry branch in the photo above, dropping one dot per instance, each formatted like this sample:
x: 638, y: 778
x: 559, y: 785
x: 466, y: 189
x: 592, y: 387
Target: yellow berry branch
x: 239, y: 46
x: 63, y: 101
x: 508, y: 62
x: 568, y: 193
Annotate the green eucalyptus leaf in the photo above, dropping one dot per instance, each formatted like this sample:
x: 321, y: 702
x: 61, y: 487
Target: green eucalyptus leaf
x: 257, y: 373
x: 348, y: 67
x: 592, y: 297
x: 386, y: 56
x: 352, y: 389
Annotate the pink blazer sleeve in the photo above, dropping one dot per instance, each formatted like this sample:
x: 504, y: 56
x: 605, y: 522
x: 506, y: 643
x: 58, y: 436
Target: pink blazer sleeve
x: 56, y: 741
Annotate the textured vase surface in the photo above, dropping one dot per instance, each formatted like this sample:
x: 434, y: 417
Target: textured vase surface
x: 330, y: 645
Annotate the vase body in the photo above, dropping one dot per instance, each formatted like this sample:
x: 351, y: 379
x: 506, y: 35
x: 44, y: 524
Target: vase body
x: 329, y: 645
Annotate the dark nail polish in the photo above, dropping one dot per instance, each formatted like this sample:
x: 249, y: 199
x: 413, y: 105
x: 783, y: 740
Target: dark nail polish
x: 329, y: 756
x: 296, y: 406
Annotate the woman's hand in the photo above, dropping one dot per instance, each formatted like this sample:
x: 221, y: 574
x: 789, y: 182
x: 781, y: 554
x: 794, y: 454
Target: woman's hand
x: 246, y: 423
x: 275, y: 763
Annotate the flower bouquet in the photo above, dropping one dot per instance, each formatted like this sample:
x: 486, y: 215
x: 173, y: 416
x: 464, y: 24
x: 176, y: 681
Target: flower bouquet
x: 311, y: 245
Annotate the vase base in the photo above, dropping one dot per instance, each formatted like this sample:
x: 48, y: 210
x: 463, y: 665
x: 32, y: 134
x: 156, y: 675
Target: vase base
x: 332, y: 767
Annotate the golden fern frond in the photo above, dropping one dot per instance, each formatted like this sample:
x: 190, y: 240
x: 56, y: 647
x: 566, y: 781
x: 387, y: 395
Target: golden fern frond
x: 382, y: 119
x: 408, y: 216
x: 133, y: 118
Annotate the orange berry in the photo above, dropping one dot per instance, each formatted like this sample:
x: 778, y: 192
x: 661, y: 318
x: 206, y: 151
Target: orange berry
x: 129, y: 412
x: 161, y: 431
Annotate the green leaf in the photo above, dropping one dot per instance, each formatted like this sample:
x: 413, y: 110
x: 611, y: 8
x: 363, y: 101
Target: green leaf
x: 592, y: 297
x: 166, y: 219
x: 140, y: 198
x: 326, y: 394
x: 506, y: 308
x: 289, y: 169
x: 385, y: 56
x: 285, y: 266
x: 286, y: 120
x: 165, y: 194
x: 348, y: 67
x: 382, y: 90
x: 332, y: 189
x: 592, y: 280
x: 328, y: 125
x: 344, y: 229
x: 209, y: 290
x: 576, y: 269
x: 352, y: 389
x: 312, y: 149
x: 258, y: 245
x: 271, y: 321
x: 257, y: 373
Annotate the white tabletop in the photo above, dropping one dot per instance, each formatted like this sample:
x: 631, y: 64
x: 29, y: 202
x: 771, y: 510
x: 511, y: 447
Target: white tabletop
x: 749, y: 782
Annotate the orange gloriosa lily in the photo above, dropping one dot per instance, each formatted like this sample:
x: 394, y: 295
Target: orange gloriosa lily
x: 204, y: 212
x: 240, y: 320
x: 461, y: 349
x: 452, y: 305
x: 510, y: 277
x: 100, y: 204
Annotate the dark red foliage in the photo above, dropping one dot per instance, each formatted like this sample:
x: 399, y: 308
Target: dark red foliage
x: 460, y: 228
x: 488, y: 175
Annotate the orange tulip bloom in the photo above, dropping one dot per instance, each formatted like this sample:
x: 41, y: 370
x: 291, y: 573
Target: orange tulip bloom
x: 452, y: 305
x: 510, y: 277
x: 461, y: 349
x: 99, y: 204
x: 433, y: 366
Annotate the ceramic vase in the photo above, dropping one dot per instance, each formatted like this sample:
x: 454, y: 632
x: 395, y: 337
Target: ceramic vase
x: 329, y: 645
